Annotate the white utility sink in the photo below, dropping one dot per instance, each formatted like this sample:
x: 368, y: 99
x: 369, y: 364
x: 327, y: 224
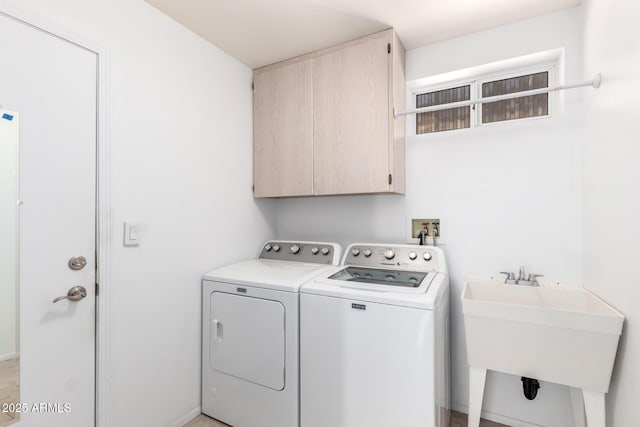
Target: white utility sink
x: 563, y: 335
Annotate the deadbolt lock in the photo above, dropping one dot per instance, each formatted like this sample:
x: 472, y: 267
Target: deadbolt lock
x: 77, y: 262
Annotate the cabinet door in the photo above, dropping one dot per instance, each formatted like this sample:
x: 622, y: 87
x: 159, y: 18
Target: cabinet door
x: 351, y: 118
x: 283, y: 130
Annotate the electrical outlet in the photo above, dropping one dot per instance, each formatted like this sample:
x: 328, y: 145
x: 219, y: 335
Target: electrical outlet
x: 418, y: 224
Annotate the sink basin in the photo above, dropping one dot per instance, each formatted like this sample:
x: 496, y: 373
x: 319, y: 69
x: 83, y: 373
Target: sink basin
x: 562, y: 335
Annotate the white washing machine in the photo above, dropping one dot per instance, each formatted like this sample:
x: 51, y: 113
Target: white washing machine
x: 374, y: 340
x: 250, y: 334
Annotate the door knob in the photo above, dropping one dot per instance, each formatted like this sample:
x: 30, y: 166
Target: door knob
x: 77, y: 262
x: 75, y: 294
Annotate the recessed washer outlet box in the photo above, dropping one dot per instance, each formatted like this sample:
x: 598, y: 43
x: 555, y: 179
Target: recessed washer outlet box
x: 417, y: 224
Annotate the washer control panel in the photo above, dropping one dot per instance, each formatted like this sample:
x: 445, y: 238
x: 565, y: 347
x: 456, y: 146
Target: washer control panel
x: 419, y: 258
x: 311, y: 252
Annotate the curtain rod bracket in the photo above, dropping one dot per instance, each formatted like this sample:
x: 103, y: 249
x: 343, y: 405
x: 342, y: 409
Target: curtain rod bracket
x: 597, y: 80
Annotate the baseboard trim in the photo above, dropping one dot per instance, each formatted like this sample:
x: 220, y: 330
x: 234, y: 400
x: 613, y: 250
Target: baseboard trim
x: 180, y: 422
x: 496, y: 418
x: 9, y: 356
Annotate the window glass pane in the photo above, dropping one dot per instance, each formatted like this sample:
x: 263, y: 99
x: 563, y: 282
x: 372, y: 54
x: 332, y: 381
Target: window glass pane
x: 449, y: 119
x: 517, y: 108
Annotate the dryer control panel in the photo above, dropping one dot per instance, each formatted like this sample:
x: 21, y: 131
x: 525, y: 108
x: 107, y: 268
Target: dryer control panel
x: 311, y: 252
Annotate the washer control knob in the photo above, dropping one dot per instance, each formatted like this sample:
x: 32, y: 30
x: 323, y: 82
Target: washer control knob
x: 426, y: 256
x: 355, y: 251
x: 294, y: 249
x: 367, y: 253
x: 389, y: 254
x: 315, y: 250
x: 267, y: 247
x: 413, y: 255
x: 276, y: 248
x: 325, y: 251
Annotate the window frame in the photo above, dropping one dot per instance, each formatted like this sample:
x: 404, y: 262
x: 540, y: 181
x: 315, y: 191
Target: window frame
x: 540, y: 68
x: 446, y: 85
x: 475, y: 82
x: 442, y: 86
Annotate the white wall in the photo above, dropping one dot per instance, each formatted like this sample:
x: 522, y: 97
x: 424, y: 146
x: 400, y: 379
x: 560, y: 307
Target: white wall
x: 506, y: 195
x: 181, y: 152
x: 611, y: 177
x: 8, y: 230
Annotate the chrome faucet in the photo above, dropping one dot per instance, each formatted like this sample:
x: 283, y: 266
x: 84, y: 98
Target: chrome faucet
x: 531, y: 280
x: 436, y: 233
x: 423, y: 234
x: 510, y: 279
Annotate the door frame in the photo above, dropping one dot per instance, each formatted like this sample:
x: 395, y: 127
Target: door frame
x: 103, y: 362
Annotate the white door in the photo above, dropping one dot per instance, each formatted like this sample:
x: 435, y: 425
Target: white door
x: 51, y: 83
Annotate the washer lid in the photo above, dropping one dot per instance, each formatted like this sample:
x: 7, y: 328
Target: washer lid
x: 425, y: 296
x: 382, y: 277
x: 266, y: 273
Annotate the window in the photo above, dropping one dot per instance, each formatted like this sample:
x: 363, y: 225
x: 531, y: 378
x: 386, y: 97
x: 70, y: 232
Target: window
x: 491, y: 112
x: 449, y: 119
x: 516, y: 108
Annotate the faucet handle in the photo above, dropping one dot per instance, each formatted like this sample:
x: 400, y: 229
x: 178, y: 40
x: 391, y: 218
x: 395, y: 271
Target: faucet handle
x: 510, y: 276
x: 534, y: 277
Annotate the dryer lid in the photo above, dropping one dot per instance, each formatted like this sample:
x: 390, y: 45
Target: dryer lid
x: 270, y: 274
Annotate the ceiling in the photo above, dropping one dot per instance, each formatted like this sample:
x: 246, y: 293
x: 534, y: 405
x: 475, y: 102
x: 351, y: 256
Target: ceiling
x: 261, y: 32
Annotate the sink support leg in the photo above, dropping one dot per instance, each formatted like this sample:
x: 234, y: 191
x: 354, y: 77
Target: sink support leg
x: 595, y: 408
x: 477, y: 377
x: 577, y: 403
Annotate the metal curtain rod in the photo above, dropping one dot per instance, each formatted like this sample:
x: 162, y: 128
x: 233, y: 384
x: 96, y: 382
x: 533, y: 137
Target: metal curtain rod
x: 595, y: 83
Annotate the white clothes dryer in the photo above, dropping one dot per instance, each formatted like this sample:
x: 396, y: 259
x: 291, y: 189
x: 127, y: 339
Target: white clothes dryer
x: 250, y: 333
x: 374, y: 340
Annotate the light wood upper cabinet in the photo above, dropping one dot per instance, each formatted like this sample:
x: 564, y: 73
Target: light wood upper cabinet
x: 351, y: 119
x: 283, y: 130
x: 328, y: 117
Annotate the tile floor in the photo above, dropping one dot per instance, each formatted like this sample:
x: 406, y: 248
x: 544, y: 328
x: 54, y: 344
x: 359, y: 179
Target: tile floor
x: 457, y: 420
x: 10, y: 386
x: 9, y: 389
x: 460, y: 420
x: 204, y: 421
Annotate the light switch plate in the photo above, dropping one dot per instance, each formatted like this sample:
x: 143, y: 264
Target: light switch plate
x: 131, y: 234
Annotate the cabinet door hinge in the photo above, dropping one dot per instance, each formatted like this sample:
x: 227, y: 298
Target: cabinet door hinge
x: 390, y: 179
x: 388, y: 47
x: 97, y: 289
x: 252, y: 86
x: 253, y: 188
